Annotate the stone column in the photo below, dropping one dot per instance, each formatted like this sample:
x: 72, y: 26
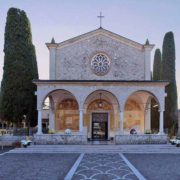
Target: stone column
x: 81, y: 111
x: 147, y: 117
x: 51, y: 119
x: 121, y: 121
x: 161, y: 122
x: 39, y: 121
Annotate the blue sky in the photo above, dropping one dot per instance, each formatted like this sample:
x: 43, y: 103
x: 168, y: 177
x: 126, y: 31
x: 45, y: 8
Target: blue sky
x: 63, y: 19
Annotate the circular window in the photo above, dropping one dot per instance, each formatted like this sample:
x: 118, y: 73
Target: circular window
x: 100, y: 64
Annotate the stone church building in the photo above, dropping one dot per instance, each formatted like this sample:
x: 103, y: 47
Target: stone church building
x: 100, y: 88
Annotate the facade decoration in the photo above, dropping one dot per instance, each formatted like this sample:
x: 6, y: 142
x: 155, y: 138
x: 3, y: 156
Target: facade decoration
x: 100, y: 64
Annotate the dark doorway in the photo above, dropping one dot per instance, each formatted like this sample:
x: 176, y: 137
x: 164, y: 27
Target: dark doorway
x: 99, y: 126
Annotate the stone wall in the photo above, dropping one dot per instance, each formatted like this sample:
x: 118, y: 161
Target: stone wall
x: 73, y: 61
x: 141, y: 139
x: 60, y: 139
x: 8, y: 140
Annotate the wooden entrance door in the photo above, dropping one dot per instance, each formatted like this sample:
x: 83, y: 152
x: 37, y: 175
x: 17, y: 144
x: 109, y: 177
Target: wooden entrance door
x: 99, y: 126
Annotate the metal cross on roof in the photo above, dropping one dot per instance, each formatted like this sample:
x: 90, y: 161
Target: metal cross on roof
x: 100, y: 17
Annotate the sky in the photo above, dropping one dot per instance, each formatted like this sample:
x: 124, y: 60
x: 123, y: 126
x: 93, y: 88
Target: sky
x: 64, y: 19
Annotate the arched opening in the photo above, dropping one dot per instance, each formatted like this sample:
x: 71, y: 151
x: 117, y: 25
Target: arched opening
x: 67, y: 115
x: 101, y: 115
x: 60, y: 112
x: 139, y: 113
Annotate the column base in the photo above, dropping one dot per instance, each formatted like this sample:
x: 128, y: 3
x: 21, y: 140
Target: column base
x: 161, y: 133
x: 120, y: 132
x: 39, y: 133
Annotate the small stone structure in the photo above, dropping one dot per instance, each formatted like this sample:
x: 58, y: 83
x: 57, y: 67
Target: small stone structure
x: 82, y: 139
x: 60, y: 139
x: 8, y: 140
x: 141, y: 139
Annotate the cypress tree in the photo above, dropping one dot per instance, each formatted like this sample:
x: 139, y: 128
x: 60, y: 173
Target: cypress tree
x: 20, y: 68
x: 168, y: 73
x: 154, y: 115
x: 156, y: 76
x: 157, y: 65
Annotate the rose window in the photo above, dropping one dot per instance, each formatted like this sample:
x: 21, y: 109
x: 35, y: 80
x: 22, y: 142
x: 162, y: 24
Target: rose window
x: 100, y: 64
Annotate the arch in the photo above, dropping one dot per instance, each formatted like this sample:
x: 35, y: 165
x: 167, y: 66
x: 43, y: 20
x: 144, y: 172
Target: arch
x: 139, y: 119
x: 146, y: 91
x: 56, y: 117
x: 101, y: 90
x: 109, y: 107
x: 93, y: 105
x: 56, y: 90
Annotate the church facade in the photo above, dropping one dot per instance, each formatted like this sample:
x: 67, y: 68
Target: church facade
x: 100, y: 88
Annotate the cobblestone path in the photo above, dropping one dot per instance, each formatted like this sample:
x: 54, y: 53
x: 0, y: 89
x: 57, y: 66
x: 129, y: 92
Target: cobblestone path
x: 103, y: 167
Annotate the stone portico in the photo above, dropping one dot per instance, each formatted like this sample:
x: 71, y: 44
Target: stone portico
x: 100, y: 89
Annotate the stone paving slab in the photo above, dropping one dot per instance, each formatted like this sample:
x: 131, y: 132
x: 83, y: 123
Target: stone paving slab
x: 35, y: 166
x: 103, y: 167
x: 157, y: 166
x: 5, y: 149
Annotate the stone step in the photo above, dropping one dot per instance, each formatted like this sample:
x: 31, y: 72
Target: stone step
x: 134, y: 152
x: 167, y: 148
x: 99, y: 146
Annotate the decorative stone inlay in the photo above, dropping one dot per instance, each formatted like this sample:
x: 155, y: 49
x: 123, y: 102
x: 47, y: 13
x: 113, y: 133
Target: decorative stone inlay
x: 100, y: 64
x: 103, y: 166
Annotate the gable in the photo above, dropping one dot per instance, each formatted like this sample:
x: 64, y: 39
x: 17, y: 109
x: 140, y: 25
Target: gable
x: 74, y: 58
x: 98, y: 32
x: 74, y: 61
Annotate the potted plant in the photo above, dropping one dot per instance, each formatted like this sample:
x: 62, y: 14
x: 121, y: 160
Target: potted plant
x: 148, y: 131
x: 51, y: 131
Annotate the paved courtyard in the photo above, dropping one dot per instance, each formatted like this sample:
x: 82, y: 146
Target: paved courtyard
x: 95, y: 166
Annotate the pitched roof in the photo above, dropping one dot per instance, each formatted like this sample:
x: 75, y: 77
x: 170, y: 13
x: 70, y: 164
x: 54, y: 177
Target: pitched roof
x: 100, y: 31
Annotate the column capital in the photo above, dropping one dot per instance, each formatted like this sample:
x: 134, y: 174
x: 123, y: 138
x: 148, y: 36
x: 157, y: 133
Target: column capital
x: 81, y: 109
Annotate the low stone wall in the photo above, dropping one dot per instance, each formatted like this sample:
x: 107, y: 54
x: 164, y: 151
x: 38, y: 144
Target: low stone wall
x: 141, y: 139
x: 8, y: 140
x: 60, y: 139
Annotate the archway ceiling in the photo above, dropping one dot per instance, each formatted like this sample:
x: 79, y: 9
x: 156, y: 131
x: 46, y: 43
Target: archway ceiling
x: 141, y: 97
x: 104, y: 95
x: 60, y: 95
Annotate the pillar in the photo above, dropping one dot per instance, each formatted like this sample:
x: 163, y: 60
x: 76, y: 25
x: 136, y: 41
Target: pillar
x: 161, y: 122
x: 81, y: 111
x: 148, y: 117
x: 39, y: 121
x: 51, y: 119
x: 121, y: 122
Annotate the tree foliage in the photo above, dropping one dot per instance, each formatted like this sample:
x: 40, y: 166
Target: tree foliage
x: 20, y: 68
x: 157, y: 65
x: 169, y: 73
